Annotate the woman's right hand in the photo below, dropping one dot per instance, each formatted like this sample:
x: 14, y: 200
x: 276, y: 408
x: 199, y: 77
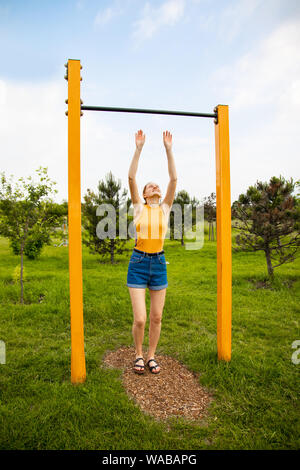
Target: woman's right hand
x: 140, y: 139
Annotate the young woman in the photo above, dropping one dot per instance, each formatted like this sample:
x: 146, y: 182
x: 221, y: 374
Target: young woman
x: 147, y: 265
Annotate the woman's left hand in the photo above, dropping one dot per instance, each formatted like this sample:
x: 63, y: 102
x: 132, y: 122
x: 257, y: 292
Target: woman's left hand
x: 167, y: 136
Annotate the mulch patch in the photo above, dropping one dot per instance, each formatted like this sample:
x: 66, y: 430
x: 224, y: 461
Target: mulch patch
x: 267, y: 284
x: 175, y: 391
x: 262, y: 285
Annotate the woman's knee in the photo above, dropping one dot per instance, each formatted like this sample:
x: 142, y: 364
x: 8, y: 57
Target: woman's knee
x: 156, y: 317
x: 139, y: 322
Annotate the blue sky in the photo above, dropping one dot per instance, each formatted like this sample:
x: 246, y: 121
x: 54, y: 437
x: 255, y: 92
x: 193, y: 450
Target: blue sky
x: 165, y: 54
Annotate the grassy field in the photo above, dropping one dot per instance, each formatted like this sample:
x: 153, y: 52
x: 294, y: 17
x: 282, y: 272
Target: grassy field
x: 255, y: 395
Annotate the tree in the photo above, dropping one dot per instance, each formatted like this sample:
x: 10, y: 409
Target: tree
x: 108, y: 194
x: 183, y: 199
x: 233, y: 210
x: 27, y: 216
x: 210, y: 212
x: 62, y: 232
x: 269, y: 220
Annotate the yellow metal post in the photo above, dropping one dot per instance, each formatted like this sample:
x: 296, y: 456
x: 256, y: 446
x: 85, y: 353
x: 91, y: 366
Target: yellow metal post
x: 78, y: 371
x: 224, y: 267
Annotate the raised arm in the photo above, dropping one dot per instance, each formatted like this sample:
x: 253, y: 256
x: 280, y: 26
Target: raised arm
x: 139, y: 141
x: 169, y: 198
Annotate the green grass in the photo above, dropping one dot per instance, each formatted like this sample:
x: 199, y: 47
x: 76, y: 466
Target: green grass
x: 255, y: 395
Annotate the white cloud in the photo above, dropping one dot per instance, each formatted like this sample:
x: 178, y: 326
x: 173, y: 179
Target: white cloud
x: 262, y: 89
x: 80, y: 4
x: 33, y: 129
x: 153, y: 19
x: 266, y: 74
x: 105, y: 16
x: 234, y: 16
x: 230, y: 18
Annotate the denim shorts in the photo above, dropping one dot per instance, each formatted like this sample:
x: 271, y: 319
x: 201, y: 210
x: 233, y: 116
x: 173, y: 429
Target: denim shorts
x: 147, y: 270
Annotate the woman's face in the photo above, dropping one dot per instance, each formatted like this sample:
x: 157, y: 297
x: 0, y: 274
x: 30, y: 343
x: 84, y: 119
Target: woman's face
x: 152, y: 189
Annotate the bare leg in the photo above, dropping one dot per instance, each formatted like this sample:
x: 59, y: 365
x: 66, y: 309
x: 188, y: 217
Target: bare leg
x: 157, y: 298
x: 140, y: 316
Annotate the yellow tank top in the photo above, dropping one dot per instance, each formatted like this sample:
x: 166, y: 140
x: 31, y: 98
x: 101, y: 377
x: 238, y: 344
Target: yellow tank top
x: 150, y: 229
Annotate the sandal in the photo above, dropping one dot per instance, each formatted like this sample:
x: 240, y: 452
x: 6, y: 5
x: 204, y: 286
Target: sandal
x: 138, y: 365
x: 153, y: 367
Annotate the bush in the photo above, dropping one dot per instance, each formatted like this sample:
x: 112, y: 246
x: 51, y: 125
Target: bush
x: 33, y: 246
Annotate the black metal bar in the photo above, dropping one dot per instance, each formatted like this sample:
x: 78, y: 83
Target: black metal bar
x: 147, y: 111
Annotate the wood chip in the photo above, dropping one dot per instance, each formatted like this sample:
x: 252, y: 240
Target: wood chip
x: 175, y: 391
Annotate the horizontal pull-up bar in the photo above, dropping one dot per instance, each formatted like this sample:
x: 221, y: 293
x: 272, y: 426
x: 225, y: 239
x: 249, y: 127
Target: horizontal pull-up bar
x: 147, y: 111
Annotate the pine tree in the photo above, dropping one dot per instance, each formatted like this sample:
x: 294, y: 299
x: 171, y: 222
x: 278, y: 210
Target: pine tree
x: 187, y: 204
x: 269, y: 220
x: 102, y: 231
x: 210, y: 212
